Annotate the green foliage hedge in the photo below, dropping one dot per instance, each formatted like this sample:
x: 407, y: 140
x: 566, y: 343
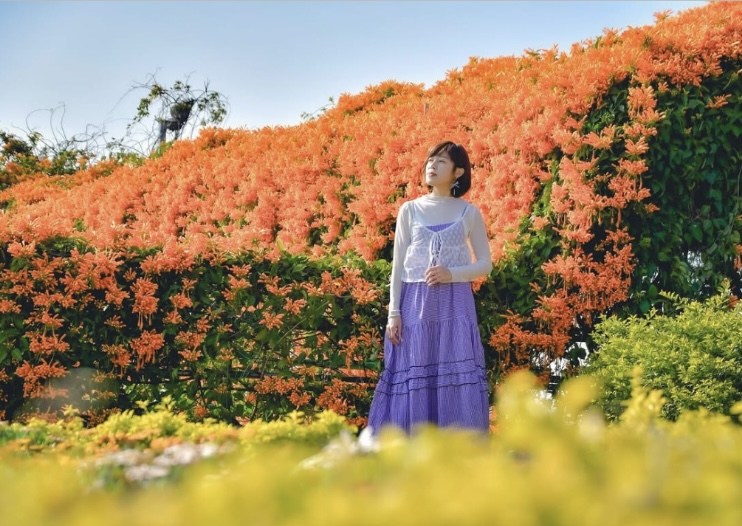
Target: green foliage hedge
x: 690, y: 244
x: 694, y: 356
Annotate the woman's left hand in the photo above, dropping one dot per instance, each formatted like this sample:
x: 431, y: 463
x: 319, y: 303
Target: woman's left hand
x: 435, y: 275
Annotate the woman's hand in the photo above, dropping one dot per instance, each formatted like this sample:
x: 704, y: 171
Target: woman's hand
x: 394, y: 330
x: 435, y: 275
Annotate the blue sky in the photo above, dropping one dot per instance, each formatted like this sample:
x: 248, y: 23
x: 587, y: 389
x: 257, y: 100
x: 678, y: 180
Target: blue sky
x: 272, y: 60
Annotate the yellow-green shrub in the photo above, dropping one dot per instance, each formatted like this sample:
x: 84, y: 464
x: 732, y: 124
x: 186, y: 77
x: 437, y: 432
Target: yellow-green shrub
x: 694, y: 357
x: 162, y: 427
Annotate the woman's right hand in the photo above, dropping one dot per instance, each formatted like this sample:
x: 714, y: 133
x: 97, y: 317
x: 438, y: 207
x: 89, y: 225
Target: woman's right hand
x: 394, y: 330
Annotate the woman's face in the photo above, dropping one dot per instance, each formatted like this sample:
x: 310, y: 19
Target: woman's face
x: 440, y: 171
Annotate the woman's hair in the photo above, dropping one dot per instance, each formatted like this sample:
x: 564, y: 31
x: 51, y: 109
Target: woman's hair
x: 460, y: 159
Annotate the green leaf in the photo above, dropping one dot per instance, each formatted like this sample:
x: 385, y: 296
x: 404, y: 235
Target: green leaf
x: 695, y: 231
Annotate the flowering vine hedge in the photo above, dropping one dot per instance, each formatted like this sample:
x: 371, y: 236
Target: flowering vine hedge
x: 605, y: 175
x: 236, y: 339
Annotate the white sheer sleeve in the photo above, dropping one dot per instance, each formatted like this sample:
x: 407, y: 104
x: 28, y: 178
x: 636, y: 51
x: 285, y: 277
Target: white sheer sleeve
x: 482, y: 265
x: 402, y: 236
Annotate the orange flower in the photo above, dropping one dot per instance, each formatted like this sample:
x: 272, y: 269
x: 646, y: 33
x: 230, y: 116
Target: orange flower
x: 145, y: 346
x: 637, y: 147
x: 145, y: 302
x: 180, y: 301
x: 33, y: 376
x: 718, y: 101
x: 22, y: 249
x: 44, y: 345
x: 295, y: 306
x: 8, y: 306
x: 115, y: 322
x: 173, y: 318
x: 270, y: 320
x: 119, y: 355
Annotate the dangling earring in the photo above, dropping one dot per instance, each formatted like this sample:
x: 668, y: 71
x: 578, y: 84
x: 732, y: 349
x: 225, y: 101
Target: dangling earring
x: 455, y: 188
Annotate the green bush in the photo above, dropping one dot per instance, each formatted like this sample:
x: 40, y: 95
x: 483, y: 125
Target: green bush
x: 693, y: 356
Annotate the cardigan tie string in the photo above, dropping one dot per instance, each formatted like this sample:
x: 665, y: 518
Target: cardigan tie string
x: 436, y: 244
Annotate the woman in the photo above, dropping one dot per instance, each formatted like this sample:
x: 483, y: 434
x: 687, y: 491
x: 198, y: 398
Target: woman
x: 434, y: 360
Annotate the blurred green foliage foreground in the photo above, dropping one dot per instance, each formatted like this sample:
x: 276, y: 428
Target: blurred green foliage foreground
x: 547, y: 463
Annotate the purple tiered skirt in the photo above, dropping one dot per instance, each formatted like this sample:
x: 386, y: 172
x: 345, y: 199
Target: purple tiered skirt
x: 436, y: 374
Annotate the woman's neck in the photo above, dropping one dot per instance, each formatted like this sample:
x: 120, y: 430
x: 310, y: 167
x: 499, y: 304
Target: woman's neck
x: 439, y: 192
